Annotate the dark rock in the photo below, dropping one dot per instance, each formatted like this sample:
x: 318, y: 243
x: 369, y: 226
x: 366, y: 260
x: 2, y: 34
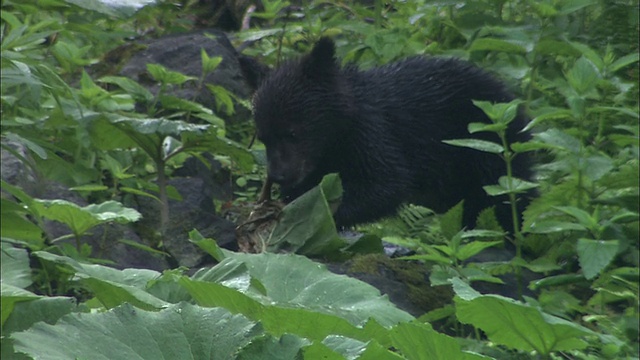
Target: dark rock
x: 103, y: 239
x: 181, y: 52
x: 194, y: 211
x: 13, y: 169
x: 216, y: 178
x: 405, y: 282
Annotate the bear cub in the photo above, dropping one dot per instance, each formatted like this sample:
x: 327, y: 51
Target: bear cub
x: 382, y: 131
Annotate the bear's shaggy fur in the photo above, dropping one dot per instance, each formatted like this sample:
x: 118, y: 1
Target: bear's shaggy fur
x: 382, y: 131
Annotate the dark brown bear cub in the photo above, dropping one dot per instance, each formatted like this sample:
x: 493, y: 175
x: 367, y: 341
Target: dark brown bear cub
x: 382, y: 131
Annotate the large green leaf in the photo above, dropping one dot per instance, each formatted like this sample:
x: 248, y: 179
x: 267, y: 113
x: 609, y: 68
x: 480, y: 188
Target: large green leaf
x: 149, y: 134
x: 595, y: 255
x: 27, y: 313
x: 418, y: 341
x: 180, y: 331
x: 12, y: 295
x: 583, y: 76
x: 111, y: 286
x: 306, y: 225
x: 294, y: 280
x: 81, y: 219
x: 517, y: 325
x: 315, y: 302
x: 14, y: 266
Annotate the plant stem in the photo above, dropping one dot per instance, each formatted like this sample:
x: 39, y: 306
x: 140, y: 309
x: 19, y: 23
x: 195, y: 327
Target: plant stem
x: 77, y: 238
x: 164, y: 199
x: 517, y: 235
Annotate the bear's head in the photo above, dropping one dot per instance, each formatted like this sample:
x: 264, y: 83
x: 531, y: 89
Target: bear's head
x: 302, y: 114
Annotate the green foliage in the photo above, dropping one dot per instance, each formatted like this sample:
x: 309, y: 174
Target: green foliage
x: 80, y: 334
x: 573, y: 64
x: 314, y: 233
x: 517, y: 325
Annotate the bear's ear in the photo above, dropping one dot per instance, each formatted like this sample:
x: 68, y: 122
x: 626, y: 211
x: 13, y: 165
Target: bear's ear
x: 321, y: 60
x: 254, y: 72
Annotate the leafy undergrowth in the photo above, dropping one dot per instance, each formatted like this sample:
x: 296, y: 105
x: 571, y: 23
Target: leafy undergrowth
x: 68, y: 118
x: 265, y: 305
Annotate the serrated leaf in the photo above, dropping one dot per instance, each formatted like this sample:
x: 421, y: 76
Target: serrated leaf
x: 479, y: 127
x: 508, y: 185
x: 560, y: 139
x: 482, y: 145
x: 553, y: 226
x: 451, y: 221
x: 134, y: 89
x: 482, y: 233
x: 209, y: 63
x: 588, y: 53
x: 583, y: 76
x: 468, y: 250
x: 624, y: 61
x: 499, y: 113
x: 595, y: 255
x: 597, y: 166
x: 166, y: 76
x: 584, y: 218
x: 549, y: 115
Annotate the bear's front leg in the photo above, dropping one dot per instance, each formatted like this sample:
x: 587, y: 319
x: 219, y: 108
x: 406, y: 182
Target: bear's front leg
x: 364, y: 202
